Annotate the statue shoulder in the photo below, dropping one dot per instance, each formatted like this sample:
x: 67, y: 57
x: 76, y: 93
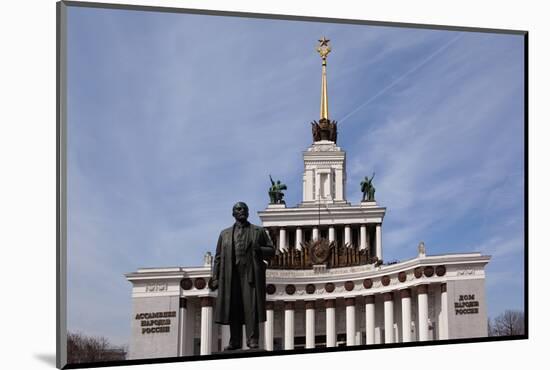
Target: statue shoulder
x: 256, y: 227
x: 226, y: 231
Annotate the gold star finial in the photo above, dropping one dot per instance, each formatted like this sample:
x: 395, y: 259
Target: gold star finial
x: 324, y: 48
x: 324, y: 41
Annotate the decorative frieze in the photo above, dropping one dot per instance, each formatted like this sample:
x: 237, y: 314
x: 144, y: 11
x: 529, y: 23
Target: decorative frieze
x: 428, y: 271
x: 186, y: 284
x: 200, y: 283
x: 156, y: 287
x: 367, y: 283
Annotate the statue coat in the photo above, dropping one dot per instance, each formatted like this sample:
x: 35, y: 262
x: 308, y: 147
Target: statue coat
x: 259, y: 247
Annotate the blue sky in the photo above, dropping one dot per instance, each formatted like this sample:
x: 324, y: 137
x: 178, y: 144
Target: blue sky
x: 174, y: 117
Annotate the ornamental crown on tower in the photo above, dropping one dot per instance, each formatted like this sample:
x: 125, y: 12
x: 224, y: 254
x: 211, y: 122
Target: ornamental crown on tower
x: 325, y: 129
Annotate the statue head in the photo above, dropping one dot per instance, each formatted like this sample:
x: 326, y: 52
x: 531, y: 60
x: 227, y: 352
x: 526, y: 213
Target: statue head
x: 240, y: 211
x: 278, y: 182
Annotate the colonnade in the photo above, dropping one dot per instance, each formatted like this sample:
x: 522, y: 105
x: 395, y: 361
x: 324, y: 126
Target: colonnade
x: 351, y: 327
x: 405, y: 295
x: 363, y: 239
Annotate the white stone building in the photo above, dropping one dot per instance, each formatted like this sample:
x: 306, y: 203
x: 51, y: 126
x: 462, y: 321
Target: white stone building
x: 319, y: 296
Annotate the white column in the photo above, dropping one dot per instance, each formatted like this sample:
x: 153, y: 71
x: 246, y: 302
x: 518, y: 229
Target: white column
x: 363, y: 233
x: 331, y: 234
x: 308, y: 193
x: 282, y: 239
x: 181, y: 327
x: 388, y: 318
x: 330, y: 322
x: 443, y: 315
x: 310, y: 324
x: 268, y: 331
x: 317, y: 186
x: 347, y: 235
x: 289, y: 325
x: 406, y: 314
x: 226, y: 336
x: 379, y: 241
x: 339, y: 185
x: 369, y: 318
x: 423, y: 312
x: 350, y: 321
x: 304, y: 187
x: 315, y: 234
x: 299, y: 239
x: 206, y: 325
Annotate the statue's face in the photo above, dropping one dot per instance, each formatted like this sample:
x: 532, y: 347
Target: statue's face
x: 240, y: 211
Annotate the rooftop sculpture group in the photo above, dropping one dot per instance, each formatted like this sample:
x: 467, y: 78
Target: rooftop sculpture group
x: 275, y: 192
x: 368, y: 189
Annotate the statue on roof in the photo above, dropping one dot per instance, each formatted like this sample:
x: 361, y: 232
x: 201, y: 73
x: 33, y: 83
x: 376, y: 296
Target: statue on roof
x: 275, y: 192
x: 368, y: 189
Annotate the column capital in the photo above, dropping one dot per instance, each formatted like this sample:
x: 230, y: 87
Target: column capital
x: 290, y: 305
x: 350, y: 301
x: 269, y: 305
x: 423, y: 289
x: 183, y: 302
x: 310, y: 305
x: 369, y: 299
x: 405, y: 293
x: 207, y: 301
x: 388, y: 296
x: 443, y: 287
x: 330, y: 303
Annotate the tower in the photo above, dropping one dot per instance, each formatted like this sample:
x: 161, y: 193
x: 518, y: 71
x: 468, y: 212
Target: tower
x: 324, y: 179
x: 352, y: 233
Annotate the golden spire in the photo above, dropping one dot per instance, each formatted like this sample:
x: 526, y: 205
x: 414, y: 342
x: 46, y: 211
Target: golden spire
x: 323, y: 49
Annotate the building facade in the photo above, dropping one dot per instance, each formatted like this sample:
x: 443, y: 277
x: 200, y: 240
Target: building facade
x: 328, y: 285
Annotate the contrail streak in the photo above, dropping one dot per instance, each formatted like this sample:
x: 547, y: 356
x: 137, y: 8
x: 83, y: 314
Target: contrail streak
x: 395, y: 82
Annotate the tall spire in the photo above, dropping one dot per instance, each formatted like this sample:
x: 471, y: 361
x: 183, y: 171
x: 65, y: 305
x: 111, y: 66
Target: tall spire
x: 325, y: 129
x: 323, y: 49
